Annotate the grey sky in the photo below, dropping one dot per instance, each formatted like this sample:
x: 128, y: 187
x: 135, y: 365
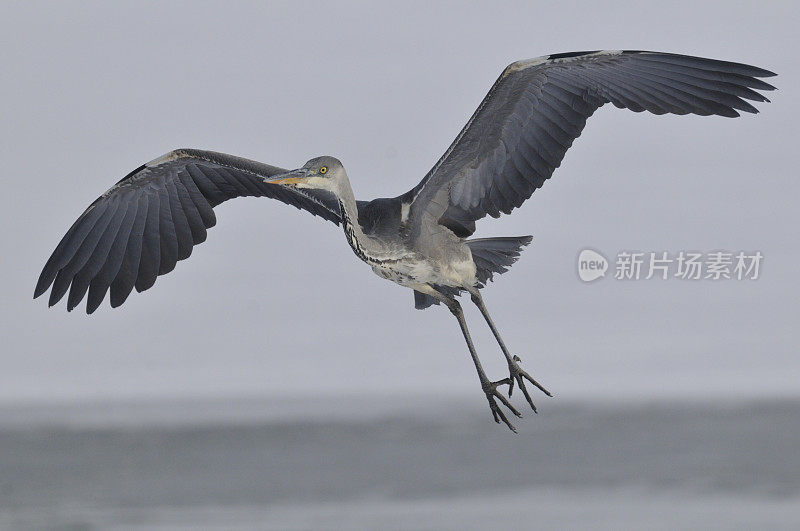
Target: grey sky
x: 275, y: 303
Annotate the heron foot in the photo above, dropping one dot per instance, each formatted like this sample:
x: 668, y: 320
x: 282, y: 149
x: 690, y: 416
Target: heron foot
x: 518, y: 375
x: 490, y: 388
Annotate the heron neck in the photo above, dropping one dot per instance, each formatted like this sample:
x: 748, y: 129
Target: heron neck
x: 361, y: 244
x: 348, y: 207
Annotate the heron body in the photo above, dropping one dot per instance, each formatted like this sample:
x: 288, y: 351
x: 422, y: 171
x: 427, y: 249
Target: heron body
x: 386, y: 246
x: 147, y: 222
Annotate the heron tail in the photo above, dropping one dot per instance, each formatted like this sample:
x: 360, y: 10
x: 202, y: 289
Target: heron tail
x: 491, y: 255
x: 495, y: 255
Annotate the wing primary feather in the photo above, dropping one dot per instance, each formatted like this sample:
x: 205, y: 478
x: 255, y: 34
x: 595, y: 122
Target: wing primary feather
x: 66, y: 274
x: 713, y: 75
x: 702, y: 63
x: 96, y: 260
x: 668, y: 99
x: 150, y: 259
x: 645, y: 95
x: 203, y: 207
x: 209, y: 188
x: 69, y: 245
x: 700, y: 100
x: 167, y: 234
x: 183, y: 232
x: 193, y: 217
x: 123, y: 282
x: 692, y: 98
x: 102, y: 280
x: 729, y: 86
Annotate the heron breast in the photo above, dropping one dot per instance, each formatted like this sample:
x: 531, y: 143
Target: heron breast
x: 405, y: 272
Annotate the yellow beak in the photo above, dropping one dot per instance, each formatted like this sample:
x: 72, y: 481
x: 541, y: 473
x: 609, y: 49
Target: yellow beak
x: 287, y: 180
x: 291, y: 177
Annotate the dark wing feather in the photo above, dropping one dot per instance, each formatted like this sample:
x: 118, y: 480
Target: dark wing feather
x: 523, y: 127
x: 151, y: 219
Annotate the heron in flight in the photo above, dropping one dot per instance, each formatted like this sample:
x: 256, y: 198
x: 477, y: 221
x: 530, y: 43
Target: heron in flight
x: 144, y: 224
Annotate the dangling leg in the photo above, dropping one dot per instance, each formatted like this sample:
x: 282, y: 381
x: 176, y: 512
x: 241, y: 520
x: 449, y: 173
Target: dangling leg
x: 489, y: 388
x: 517, y: 374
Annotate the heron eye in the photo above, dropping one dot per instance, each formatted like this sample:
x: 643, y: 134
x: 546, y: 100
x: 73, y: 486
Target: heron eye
x: 323, y: 170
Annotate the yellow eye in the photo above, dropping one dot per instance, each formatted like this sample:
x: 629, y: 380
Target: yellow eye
x: 323, y: 170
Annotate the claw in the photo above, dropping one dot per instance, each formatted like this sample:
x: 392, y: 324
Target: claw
x: 499, y: 415
x: 506, y: 403
x: 518, y: 375
x: 491, y: 393
x: 534, y: 382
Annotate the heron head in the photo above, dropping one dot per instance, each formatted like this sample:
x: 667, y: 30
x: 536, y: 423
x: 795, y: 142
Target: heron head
x: 321, y: 173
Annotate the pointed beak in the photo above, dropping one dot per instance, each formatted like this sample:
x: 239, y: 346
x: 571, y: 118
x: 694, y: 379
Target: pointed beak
x: 290, y: 177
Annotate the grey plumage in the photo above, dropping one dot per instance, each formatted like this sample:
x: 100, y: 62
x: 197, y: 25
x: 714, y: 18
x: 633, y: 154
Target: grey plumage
x: 491, y: 255
x: 535, y: 110
x: 495, y: 255
x: 143, y: 225
x: 151, y: 219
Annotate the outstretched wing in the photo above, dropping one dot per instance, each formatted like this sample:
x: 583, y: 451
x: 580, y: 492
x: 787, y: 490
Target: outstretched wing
x: 518, y: 135
x: 152, y: 218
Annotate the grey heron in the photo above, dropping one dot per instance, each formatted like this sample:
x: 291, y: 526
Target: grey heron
x: 149, y: 220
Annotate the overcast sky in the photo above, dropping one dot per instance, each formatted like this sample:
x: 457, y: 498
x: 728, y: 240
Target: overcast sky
x: 275, y: 302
